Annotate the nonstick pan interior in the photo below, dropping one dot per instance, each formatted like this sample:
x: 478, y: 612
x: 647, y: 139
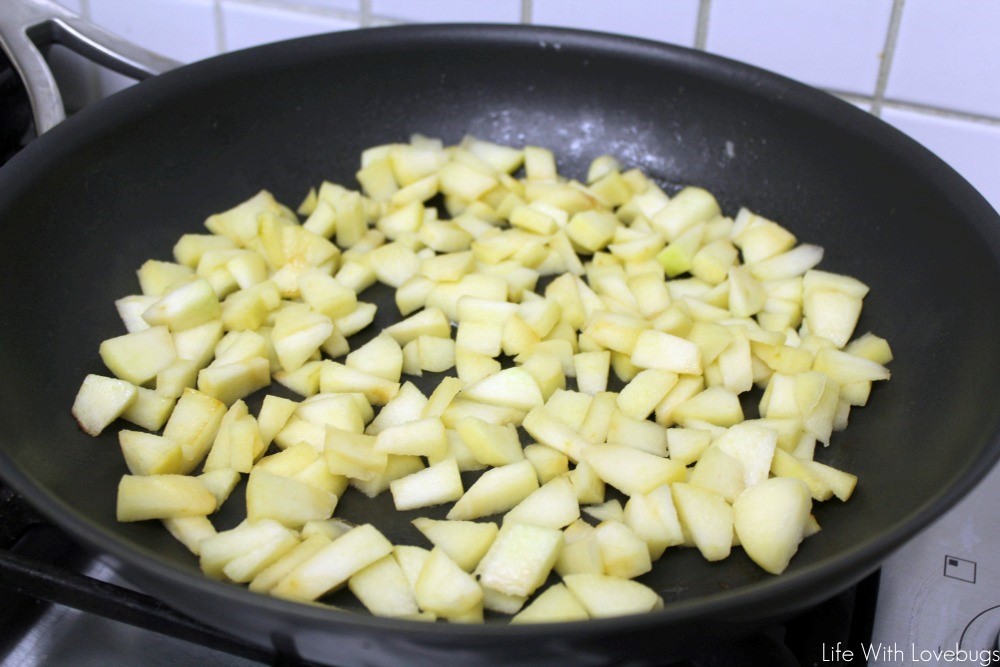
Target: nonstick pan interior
x: 85, y: 205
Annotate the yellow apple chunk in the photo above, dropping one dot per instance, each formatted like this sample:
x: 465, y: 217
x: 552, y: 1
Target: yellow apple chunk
x: 520, y: 558
x: 143, y: 497
x: 100, y: 401
x: 770, y: 521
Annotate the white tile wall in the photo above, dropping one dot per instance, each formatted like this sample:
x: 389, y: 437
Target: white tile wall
x: 491, y: 11
x: 245, y: 25
x: 675, y: 22
x: 180, y: 29
x: 929, y: 67
x: 948, y: 55
x: 828, y: 43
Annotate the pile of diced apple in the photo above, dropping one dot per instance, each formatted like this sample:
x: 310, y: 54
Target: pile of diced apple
x: 539, y: 296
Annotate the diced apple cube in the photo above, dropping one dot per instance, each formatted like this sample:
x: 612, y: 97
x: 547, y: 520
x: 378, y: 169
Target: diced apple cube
x: 512, y: 387
x: 194, y: 423
x: 604, y: 596
x: 707, y: 517
x: 143, y: 497
x: 520, y: 558
x: 138, y: 357
x: 189, y: 305
x: 497, y: 490
x: 297, y: 334
x: 630, y: 470
x: 100, y: 401
x: 336, y: 377
x: 383, y: 589
x: 434, y: 485
x: 555, y: 604
x: 445, y: 589
x: 714, y: 405
x: 656, y: 349
x: 150, y: 454
x: 552, y: 505
x: 286, y: 500
x: 465, y: 542
x: 770, y: 521
x: 422, y: 437
x: 331, y: 567
x: 490, y: 444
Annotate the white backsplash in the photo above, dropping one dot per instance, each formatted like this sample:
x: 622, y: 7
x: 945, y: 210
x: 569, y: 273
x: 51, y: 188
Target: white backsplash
x: 929, y: 67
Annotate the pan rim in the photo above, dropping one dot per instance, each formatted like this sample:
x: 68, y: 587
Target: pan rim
x: 850, y: 563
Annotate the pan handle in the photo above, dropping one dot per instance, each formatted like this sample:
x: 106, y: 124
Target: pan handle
x: 28, y: 25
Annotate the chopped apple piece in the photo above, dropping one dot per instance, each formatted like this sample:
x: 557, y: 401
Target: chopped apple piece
x: 520, y: 558
x: 465, y: 542
x: 185, y: 307
x: 100, y: 401
x: 707, y: 517
x: 423, y: 437
x: 552, y: 505
x: 150, y: 454
x: 604, y: 596
x: 144, y: 497
x: 652, y: 518
x: 336, y: 377
x: 331, y: 567
x: 286, y: 500
x: 297, y: 334
x: 190, y: 531
x: 770, y: 520
x: 490, y: 444
x: 630, y: 470
x: 138, y: 357
x: 623, y: 553
x: 555, y: 604
x: 383, y: 589
x: 444, y: 588
x: 497, y: 490
x: 434, y: 485
x: 381, y: 356
x: 512, y: 387
x: 549, y: 430
x: 548, y: 462
x: 194, y: 423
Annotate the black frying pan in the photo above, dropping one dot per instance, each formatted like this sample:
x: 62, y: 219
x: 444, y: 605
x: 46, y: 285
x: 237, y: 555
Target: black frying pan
x: 83, y: 206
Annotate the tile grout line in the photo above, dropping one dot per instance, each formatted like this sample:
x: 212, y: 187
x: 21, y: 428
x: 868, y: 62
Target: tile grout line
x: 701, y: 27
x: 916, y: 107
x: 888, y: 51
x: 220, y: 29
x: 527, y: 10
x: 365, y: 11
x: 94, y: 76
x: 941, y: 112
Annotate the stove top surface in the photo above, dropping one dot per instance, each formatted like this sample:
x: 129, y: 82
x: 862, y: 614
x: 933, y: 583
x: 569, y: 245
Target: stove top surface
x: 941, y: 591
